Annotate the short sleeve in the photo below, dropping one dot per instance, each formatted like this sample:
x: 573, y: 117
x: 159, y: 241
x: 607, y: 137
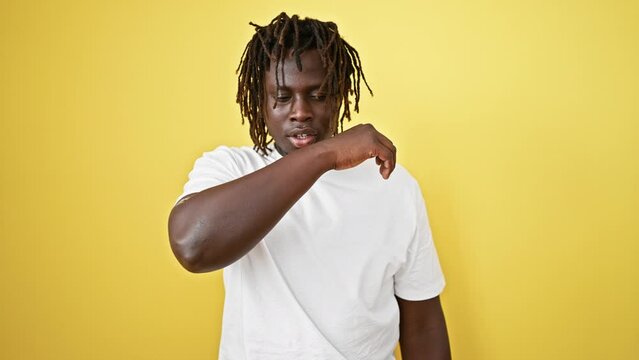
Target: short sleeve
x: 420, y: 277
x: 211, y: 169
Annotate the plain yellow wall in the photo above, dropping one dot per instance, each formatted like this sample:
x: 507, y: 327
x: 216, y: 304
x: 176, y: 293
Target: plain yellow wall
x: 518, y: 118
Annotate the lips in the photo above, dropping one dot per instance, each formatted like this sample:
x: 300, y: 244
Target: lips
x: 301, y: 137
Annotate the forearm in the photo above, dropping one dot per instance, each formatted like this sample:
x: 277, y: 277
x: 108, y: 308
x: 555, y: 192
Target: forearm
x: 217, y: 226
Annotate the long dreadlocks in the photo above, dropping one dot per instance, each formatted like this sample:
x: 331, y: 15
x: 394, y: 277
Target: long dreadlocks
x: 272, y: 43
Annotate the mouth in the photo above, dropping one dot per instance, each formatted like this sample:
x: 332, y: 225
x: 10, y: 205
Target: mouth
x: 302, y: 137
x: 299, y: 141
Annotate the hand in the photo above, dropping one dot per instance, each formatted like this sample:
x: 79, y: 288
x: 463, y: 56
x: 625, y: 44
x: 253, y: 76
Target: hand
x: 359, y: 143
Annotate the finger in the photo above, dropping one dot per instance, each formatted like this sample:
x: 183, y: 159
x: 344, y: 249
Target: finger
x: 387, y: 142
x: 387, y: 163
x: 385, y: 170
x: 392, y: 160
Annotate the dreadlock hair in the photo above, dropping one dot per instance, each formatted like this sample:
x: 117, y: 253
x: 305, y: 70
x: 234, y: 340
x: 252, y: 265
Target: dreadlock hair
x: 271, y: 44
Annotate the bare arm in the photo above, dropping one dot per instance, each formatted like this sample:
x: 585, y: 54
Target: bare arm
x: 422, y: 330
x: 213, y: 228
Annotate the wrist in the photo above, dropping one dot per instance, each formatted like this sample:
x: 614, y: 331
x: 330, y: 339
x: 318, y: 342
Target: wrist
x: 323, y: 155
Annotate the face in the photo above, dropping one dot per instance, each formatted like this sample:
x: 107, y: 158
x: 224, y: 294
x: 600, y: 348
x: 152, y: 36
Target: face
x: 303, y: 114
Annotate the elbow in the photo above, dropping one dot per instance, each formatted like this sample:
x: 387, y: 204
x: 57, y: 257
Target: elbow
x: 192, y: 257
x: 189, y: 257
x: 188, y: 246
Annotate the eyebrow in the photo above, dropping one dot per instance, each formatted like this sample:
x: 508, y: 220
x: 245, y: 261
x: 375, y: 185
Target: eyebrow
x: 284, y: 87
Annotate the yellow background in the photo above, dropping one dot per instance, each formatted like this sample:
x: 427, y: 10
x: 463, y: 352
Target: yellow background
x: 518, y: 118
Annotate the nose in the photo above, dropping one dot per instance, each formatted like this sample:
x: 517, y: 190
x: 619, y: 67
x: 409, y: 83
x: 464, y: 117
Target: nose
x: 301, y: 110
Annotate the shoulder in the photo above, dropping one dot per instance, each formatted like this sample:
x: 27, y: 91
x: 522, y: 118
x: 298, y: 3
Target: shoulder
x: 400, y: 189
x: 221, y: 165
x: 238, y: 160
x: 405, y: 188
x: 401, y: 180
x: 403, y: 177
x: 227, y: 152
x: 220, y: 157
x: 408, y: 188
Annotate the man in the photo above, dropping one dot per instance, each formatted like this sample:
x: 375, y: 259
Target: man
x: 323, y: 258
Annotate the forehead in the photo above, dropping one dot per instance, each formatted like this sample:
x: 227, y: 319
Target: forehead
x: 312, y: 74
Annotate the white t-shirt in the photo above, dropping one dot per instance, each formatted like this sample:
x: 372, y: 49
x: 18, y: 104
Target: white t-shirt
x: 322, y: 282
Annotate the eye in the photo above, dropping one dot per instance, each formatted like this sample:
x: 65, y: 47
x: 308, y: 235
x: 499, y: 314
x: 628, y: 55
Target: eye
x: 318, y: 97
x: 282, y: 97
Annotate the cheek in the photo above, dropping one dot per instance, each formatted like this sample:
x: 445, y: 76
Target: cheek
x: 272, y: 115
x: 274, y: 123
x: 324, y: 110
x: 278, y: 112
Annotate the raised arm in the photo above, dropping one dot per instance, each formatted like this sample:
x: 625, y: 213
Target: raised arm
x: 213, y: 228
